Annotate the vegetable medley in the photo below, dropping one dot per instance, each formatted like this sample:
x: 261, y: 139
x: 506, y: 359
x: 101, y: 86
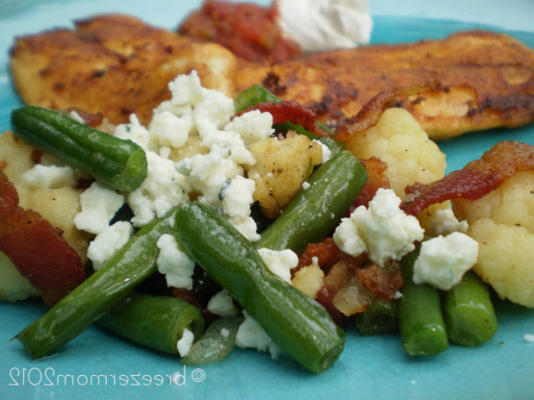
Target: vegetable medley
x: 246, y: 222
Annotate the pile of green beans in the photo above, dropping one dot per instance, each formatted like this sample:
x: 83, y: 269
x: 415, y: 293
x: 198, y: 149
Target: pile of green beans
x: 297, y: 323
x: 428, y: 319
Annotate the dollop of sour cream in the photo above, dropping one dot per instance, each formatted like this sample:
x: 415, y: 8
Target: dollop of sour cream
x: 325, y: 24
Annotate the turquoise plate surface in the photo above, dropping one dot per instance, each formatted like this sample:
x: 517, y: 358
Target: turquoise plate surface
x: 96, y: 365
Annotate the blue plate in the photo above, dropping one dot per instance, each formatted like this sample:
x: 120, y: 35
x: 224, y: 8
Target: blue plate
x: 98, y: 365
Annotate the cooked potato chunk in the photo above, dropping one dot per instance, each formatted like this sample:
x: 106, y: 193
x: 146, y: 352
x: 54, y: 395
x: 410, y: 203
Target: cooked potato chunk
x: 281, y: 168
x: 502, y: 222
x: 59, y: 206
x: 309, y: 280
x: 399, y: 141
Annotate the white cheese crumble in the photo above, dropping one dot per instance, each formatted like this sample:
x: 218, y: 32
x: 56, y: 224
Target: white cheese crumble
x: 325, y: 151
x: 171, y: 130
x: 222, y: 304
x: 108, y: 242
x: 325, y: 24
x: 49, y: 176
x: 252, y: 126
x: 98, y: 206
x: 529, y: 337
x: 383, y: 230
x: 185, y: 343
x: 163, y: 188
x: 305, y: 185
x: 225, y: 332
x: 135, y: 132
x: 444, y: 221
x: 443, y: 260
x: 172, y: 262
x: 237, y: 196
x: 250, y: 334
x: 279, y: 262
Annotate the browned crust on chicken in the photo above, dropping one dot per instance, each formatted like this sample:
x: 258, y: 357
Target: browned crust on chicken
x: 117, y: 65
x: 113, y: 64
x: 486, y: 80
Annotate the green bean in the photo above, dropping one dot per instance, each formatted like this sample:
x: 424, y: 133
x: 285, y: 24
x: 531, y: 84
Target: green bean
x: 314, y: 212
x: 468, y: 311
x: 253, y: 95
x: 156, y: 322
x: 216, y: 343
x: 297, y: 323
x: 420, y: 319
x: 102, y: 291
x: 118, y: 163
x: 379, y: 318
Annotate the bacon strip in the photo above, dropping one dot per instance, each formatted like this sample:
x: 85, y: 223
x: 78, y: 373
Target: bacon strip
x: 370, y: 113
x: 36, y: 248
x: 475, y: 180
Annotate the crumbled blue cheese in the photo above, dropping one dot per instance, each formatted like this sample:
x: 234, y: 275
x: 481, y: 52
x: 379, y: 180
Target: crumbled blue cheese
x: 383, y: 230
x: 170, y: 130
x: 108, y: 242
x: 207, y: 173
x: 163, y: 188
x: 197, y: 115
x: 443, y: 260
x: 98, y: 206
x: 250, y: 334
x: 135, y: 132
x: 185, y: 343
x: 252, y: 126
x: 237, y: 198
x: 279, y: 262
x: 222, y: 304
x: 305, y: 185
x: 443, y: 222
x: 49, y: 176
x: 172, y: 262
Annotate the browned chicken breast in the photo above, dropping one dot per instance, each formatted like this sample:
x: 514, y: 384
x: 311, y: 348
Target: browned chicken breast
x: 117, y: 65
x: 113, y: 64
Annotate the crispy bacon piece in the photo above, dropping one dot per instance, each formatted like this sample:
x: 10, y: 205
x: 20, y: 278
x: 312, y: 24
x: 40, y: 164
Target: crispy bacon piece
x: 325, y: 296
x: 326, y: 252
x: 370, y: 113
x: 475, y: 180
x: 376, y: 179
x: 37, y: 248
x: 381, y: 281
x: 290, y: 111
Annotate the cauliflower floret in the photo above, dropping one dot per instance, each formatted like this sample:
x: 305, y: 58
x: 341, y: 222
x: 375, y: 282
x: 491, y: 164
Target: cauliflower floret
x: 505, y: 259
x: 512, y: 203
x: 399, y: 141
x: 281, y: 168
x: 502, y: 222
